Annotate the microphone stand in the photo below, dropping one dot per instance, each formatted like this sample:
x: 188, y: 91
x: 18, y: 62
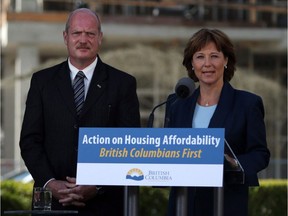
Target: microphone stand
x: 131, y: 193
x: 181, y: 194
x: 182, y: 90
x: 151, y: 116
x: 181, y: 201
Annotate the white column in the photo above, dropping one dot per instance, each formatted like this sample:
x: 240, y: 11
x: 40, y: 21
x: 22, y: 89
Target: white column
x: 27, y: 58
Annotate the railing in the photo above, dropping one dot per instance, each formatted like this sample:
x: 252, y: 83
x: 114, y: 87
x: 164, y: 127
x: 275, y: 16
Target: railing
x: 238, y: 12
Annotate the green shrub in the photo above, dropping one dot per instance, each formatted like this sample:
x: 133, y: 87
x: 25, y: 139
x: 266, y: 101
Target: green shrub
x: 15, y: 195
x: 153, y: 201
x: 270, y: 199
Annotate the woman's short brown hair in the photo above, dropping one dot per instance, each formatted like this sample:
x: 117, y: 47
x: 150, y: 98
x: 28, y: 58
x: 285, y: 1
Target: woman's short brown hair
x: 223, y: 44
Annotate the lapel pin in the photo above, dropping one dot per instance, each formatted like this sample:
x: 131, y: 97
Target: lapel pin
x: 98, y: 85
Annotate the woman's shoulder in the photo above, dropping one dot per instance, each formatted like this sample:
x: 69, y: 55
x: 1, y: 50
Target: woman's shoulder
x: 248, y: 100
x: 240, y: 94
x: 246, y: 95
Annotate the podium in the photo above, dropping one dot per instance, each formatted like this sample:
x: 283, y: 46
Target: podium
x: 158, y: 157
x: 232, y: 175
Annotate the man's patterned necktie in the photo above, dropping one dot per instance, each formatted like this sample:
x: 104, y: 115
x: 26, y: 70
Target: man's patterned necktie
x: 79, y: 91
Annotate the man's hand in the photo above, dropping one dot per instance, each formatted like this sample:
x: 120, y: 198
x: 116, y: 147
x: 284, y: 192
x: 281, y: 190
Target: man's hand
x: 75, y: 194
x: 55, y: 186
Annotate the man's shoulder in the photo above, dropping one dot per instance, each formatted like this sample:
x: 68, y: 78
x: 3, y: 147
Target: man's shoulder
x: 114, y: 72
x: 52, y: 69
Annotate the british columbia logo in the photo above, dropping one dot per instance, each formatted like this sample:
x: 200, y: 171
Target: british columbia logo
x: 135, y: 174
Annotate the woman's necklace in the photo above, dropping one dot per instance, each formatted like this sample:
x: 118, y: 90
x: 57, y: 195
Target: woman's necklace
x: 209, y: 97
x: 206, y: 103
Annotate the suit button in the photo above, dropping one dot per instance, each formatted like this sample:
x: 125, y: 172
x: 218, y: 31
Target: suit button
x: 75, y: 126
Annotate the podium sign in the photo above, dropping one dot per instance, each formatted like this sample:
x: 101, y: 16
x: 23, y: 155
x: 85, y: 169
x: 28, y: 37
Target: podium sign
x: 151, y: 156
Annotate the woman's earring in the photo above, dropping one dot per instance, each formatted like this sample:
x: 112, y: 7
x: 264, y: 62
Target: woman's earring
x: 193, y: 68
x: 225, y: 66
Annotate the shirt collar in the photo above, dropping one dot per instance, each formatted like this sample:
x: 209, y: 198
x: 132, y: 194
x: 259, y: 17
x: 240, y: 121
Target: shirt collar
x: 88, y: 71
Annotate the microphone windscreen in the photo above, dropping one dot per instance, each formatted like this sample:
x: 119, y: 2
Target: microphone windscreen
x: 185, y: 87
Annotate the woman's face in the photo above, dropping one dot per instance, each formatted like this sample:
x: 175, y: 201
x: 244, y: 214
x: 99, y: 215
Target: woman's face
x: 208, y: 64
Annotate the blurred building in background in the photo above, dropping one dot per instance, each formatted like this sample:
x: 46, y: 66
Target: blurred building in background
x: 146, y: 38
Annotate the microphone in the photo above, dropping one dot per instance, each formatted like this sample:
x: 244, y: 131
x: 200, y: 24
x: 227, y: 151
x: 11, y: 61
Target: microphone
x: 183, y: 89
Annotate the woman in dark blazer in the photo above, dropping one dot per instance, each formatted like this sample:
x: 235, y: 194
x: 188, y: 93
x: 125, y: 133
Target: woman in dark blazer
x: 210, y: 60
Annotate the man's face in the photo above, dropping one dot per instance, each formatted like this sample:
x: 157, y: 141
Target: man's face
x: 83, y: 39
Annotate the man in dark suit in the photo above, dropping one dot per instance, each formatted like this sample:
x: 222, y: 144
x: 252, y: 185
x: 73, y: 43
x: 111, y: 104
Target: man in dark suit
x: 49, y: 136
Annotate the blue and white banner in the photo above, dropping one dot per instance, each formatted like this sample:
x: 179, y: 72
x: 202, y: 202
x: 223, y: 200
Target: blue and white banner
x: 151, y: 156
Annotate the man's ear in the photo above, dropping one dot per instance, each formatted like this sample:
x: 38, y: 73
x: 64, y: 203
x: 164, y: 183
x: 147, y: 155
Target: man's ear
x: 100, y: 38
x: 65, y: 37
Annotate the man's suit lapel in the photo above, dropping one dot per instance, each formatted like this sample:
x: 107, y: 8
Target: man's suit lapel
x: 65, y: 87
x: 97, y: 86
